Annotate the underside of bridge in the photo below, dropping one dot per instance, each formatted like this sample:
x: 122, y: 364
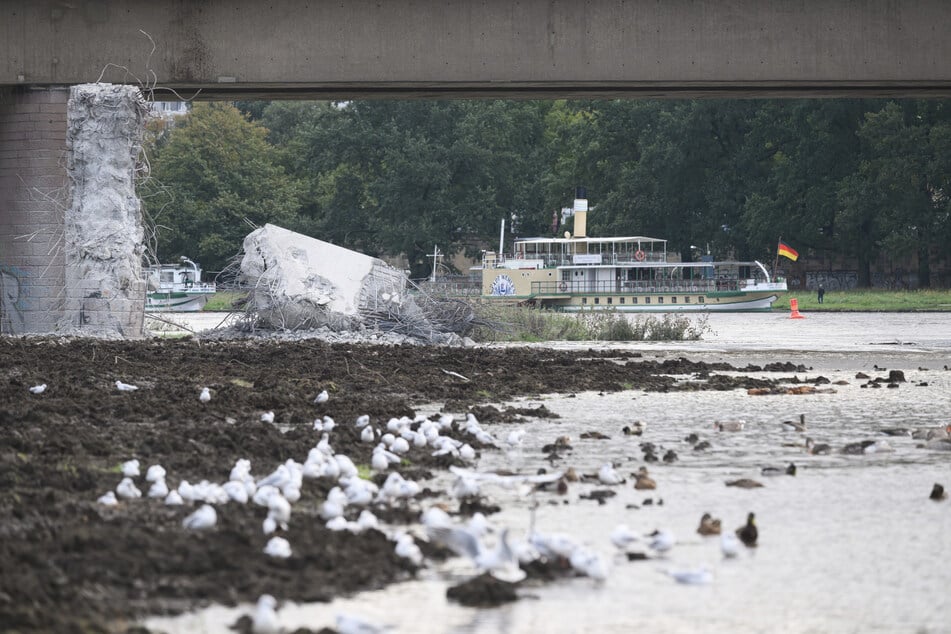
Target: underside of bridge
x: 318, y: 49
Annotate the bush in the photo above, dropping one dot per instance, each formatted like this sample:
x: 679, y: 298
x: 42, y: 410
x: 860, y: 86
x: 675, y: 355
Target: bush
x: 519, y: 323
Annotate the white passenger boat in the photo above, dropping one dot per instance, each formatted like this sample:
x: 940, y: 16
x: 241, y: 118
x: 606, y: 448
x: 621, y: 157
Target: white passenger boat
x: 177, y: 287
x: 624, y: 274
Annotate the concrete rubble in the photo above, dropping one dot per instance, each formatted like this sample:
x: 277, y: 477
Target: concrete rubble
x: 302, y: 283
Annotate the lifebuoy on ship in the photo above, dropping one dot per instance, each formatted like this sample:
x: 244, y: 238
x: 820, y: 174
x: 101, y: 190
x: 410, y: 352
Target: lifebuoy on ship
x: 639, y: 255
x: 563, y: 286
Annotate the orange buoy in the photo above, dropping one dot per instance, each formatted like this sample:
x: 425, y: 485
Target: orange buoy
x: 794, y: 309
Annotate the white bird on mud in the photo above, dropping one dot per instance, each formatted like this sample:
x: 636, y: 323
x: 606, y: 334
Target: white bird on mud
x: 662, y: 541
x: 407, y: 549
x: 267, y: 417
x: 278, y: 547
x: 435, y: 516
x: 155, y: 473
x: 323, y: 446
x: 108, y: 499
x: 467, y: 453
x: 589, y: 563
x: 265, y: 619
x: 347, y: 624
x: 553, y: 545
x: 362, y: 421
x: 158, y: 489
x: 205, y: 395
x: 379, y: 461
x: 127, y: 489
x: 38, y: 389
x: 237, y: 491
x: 367, y: 435
x: 130, y: 468
x: 325, y: 424
x: 396, y: 487
x: 399, y: 446
x: 125, y: 387
x: 622, y: 536
x: 334, y: 505
x: 279, y: 509
x: 322, y: 398
x: 367, y: 520
x: 347, y: 468
x: 173, y: 498
x: 729, y: 545
x: 514, y: 439
x: 608, y: 475
x: 694, y: 577
x: 241, y: 469
x: 204, y: 518
x: 500, y: 562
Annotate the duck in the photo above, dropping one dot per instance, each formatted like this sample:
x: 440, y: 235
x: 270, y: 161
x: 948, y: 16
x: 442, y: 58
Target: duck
x: 730, y: 425
x: 744, y: 483
x: 709, y: 525
x: 931, y: 433
x: 643, y: 480
x: 670, y: 456
x: 790, y: 425
x: 859, y: 448
x: 748, y: 533
x: 634, y: 429
x: 775, y: 471
x: 938, y: 493
x: 819, y: 449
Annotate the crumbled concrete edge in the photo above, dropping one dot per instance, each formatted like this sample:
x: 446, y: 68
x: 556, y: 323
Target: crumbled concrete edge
x: 104, y: 235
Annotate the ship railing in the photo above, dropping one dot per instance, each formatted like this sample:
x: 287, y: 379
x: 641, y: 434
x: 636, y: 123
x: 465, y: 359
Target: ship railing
x: 604, y: 287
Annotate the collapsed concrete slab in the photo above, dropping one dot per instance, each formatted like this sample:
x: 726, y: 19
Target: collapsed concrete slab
x: 300, y: 282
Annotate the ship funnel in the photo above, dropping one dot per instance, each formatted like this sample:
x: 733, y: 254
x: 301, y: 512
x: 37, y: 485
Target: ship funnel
x: 581, y: 212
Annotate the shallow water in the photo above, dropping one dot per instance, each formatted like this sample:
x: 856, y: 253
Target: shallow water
x: 850, y: 544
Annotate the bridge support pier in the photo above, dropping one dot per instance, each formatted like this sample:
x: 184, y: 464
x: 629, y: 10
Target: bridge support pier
x: 71, y: 234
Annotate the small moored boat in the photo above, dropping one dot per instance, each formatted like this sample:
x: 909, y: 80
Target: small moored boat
x: 177, y: 287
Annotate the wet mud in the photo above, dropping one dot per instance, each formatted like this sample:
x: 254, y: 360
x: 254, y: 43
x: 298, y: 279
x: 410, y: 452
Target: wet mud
x: 71, y: 564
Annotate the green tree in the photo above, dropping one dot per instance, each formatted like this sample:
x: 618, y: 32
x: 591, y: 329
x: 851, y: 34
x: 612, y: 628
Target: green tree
x: 214, y: 178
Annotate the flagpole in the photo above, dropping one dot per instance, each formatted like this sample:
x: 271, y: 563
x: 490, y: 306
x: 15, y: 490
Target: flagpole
x: 776, y: 260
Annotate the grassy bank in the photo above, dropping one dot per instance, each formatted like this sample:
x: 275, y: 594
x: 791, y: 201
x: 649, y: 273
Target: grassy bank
x: 516, y: 323
x: 869, y: 300
x: 224, y: 301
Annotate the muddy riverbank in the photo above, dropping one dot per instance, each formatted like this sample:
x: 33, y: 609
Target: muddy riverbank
x: 71, y: 564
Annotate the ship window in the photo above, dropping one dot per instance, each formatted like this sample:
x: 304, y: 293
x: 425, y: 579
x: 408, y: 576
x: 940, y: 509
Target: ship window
x: 660, y: 300
x: 167, y: 277
x: 610, y: 300
x: 584, y: 300
x: 622, y: 300
x: 700, y: 299
x: 633, y: 300
x: 647, y: 300
x: 673, y: 300
x: 686, y: 299
x: 597, y: 300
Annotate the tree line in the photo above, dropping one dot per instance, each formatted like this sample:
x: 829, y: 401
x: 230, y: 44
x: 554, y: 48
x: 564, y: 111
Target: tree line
x: 857, y: 178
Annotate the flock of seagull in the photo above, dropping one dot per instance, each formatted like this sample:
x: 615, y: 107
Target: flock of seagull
x: 506, y: 559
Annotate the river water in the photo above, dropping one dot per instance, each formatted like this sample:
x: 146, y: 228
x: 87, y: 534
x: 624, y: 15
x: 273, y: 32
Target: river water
x: 850, y: 544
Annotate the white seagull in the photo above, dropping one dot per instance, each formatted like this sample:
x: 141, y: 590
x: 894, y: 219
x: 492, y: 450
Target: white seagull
x: 278, y: 547
x: 346, y: 624
x: 729, y: 545
x: 125, y: 387
x: 608, y: 475
x: 622, y: 536
x: 265, y: 620
x: 155, y: 473
x: 205, y: 517
x: 127, y: 489
x: 267, y: 417
x: 38, y: 389
x: 130, y: 468
x: 205, y: 395
x: 322, y: 398
x: 695, y: 577
x: 108, y: 499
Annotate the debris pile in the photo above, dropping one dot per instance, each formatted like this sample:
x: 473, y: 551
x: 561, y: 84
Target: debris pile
x: 301, y: 283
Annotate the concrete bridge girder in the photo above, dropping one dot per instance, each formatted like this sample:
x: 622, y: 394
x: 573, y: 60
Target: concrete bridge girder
x: 538, y: 48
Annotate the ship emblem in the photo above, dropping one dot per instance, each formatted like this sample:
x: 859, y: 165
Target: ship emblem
x: 503, y: 285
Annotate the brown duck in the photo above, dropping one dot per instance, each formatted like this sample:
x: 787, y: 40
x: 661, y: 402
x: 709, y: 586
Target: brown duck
x: 708, y: 525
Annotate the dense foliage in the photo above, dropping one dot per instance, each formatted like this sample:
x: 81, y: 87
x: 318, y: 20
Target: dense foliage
x: 856, y: 178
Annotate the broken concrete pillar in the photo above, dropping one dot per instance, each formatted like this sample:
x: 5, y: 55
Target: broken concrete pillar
x: 301, y: 282
x: 105, y: 288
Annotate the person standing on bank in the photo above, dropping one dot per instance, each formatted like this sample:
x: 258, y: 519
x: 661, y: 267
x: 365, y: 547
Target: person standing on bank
x: 822, y: 293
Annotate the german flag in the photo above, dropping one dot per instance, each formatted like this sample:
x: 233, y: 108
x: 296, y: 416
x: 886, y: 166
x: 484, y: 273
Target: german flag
x: 788, y: 251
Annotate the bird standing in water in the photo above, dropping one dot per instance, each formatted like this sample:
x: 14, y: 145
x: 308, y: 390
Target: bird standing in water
x: 748, y: 533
